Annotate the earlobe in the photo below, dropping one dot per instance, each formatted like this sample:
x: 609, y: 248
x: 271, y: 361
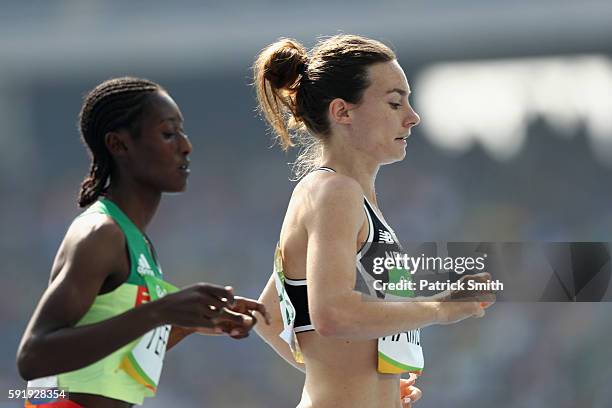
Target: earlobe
x: 115, y: 143
x: 339, y: 111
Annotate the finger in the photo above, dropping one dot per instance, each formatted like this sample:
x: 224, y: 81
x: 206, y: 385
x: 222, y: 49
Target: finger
x: 234, y: 331
x: 485, y: 305
x: 207, y: 330
x: 253, y: 305
x: 223, y: 293
x: 487, y: 298
x: 415, y: 394
x: 480, y: 277
x: 207, y: 313
x: 213, y: 302
x: 239, y: 334
x: 235, y: 318
x: 261, y: 308
x: 405, y: 387
x: 224, y: 326
x: 210, y: 307
x: 483, y: 275
x: 480, y: 312
x: 405, y: 383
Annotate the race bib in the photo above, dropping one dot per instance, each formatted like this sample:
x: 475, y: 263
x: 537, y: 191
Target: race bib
x: 402, y: 352
x: 286, y: 307
x: 145, y: 361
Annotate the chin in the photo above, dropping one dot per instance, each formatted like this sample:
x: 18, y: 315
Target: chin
x: 177, y: 189
x: 394, y: 159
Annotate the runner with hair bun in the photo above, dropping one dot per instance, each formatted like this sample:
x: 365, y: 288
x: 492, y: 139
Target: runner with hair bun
x: 345, y: 104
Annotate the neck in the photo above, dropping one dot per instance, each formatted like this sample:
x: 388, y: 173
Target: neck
x: 355, y: 165
x: 137, y: 202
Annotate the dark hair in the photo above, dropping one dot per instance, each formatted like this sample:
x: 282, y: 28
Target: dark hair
x: 294, y: 89
x: 115, y: 104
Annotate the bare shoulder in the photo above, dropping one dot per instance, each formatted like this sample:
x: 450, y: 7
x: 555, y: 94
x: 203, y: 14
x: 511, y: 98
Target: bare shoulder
x: 331, y: 199
x: 95, y: 229
x: 93, y: 242
x: 322, y: 188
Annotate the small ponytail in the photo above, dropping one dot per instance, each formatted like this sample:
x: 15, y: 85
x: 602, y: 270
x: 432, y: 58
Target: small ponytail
x: 278, y: 71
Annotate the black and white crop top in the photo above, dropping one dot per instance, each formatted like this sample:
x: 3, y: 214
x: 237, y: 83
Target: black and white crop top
x: 397, y: 353
x: 378, y: 232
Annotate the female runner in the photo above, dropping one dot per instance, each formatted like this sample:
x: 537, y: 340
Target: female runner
x: 348, y: 102
x: 101, y: 329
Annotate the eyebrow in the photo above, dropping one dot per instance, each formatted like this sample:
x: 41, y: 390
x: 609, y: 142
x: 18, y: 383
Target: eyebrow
x: 402, y: 92
x: 172, y: 119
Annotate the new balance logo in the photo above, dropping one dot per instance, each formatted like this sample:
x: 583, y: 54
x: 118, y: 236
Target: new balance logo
x: 143, y: 266
x: 384, y: 237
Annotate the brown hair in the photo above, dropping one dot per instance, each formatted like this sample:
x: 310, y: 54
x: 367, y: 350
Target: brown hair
x: 117, y: 103
x: 294, y: 89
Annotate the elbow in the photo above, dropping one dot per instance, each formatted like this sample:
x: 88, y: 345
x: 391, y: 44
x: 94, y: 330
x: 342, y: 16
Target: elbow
x: 24, y: 365
x: 27, y: 362
x: 329, y: 322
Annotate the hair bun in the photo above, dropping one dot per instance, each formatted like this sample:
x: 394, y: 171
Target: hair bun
x: 286, y: 61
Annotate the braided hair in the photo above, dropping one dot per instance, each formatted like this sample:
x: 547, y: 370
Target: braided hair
x: 115, y: 104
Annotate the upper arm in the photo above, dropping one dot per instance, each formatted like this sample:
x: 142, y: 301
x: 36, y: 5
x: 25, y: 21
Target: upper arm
x: 337, y: 216
x: 92, y: 250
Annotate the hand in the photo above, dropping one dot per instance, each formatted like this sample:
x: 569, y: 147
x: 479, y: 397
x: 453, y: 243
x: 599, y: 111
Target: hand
x: 246, y: 307
x: 458, y: 305
x: 408, y: 392
x: 198, y: 305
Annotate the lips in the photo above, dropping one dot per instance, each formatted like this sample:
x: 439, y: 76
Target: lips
x: 185, y: 167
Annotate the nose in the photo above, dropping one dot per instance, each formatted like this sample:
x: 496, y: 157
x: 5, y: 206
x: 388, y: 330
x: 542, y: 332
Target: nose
x: 186, y: 146
x: 412, y: 118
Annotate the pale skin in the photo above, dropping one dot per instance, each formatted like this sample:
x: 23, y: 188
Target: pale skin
x: 323, y: 229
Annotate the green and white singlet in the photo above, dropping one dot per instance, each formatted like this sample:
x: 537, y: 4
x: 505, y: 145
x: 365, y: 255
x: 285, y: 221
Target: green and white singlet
x: 132, y: 372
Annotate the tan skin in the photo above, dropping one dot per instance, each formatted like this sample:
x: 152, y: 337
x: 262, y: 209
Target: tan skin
x: 323, y: 229
x: 145, y: 167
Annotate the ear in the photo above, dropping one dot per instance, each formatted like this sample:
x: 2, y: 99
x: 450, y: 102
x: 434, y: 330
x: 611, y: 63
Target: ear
x: 116, y: 143
x: 339, y: 111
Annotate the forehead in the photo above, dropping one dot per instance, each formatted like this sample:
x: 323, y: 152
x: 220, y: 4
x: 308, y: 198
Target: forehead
x: 162, y: 107
x: 385, y: 76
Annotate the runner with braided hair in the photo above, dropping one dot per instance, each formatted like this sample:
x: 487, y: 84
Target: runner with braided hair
x: 102, y: 326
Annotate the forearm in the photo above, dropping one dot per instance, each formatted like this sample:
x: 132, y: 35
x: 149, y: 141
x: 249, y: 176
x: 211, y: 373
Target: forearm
x: 71, y: 348
x: 270, y: 334
x: 351, y: 317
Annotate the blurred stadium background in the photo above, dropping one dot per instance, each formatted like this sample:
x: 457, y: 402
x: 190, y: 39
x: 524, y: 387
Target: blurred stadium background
x: 515, y: 145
